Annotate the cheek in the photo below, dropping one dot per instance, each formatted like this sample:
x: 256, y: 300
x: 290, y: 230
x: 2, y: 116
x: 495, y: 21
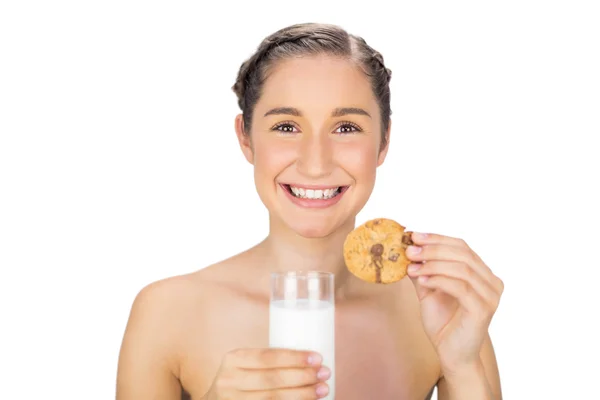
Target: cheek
x: 359, y: 159
x: 271, y: 157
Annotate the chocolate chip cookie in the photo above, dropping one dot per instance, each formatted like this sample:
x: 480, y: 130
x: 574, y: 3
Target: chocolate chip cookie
x: 375, y: 251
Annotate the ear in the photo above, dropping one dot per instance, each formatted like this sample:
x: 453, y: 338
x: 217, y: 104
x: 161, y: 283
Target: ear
x: 244, y: 138
x: 385, y: 145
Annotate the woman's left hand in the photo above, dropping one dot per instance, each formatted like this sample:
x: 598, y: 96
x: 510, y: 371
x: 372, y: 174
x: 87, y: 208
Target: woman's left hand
x: 459, y: 295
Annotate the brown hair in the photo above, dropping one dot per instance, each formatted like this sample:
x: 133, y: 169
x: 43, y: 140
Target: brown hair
x: 311, y: 39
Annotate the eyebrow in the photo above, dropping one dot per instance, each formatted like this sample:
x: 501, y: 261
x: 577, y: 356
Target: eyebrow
x: 338, y: 112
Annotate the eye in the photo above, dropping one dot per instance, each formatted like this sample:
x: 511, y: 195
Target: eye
x: 285, y: 127
x: 347, y: 127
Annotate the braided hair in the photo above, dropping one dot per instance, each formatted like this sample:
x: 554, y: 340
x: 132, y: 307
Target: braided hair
x: 311, y: 39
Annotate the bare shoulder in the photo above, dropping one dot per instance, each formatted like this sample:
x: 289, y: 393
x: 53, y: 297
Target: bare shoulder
x: 163, y: 302
x: 148, y: 359
x: 161, y: 310
x: 167, y: 302
x: 154, y: 342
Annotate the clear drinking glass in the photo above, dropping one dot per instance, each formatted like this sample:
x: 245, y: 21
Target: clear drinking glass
x: 302, y: 315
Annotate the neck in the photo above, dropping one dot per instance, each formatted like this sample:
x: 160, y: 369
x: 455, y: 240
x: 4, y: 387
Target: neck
x: 285, y: 250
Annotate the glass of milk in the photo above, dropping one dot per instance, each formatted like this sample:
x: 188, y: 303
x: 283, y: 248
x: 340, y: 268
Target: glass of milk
x: 302, y: 315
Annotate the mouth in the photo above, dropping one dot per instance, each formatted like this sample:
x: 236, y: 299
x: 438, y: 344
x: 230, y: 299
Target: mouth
x: 312, y: 193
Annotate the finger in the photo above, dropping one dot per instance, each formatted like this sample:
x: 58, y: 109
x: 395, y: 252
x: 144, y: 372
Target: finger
x: 308, y: 392
x: 420, y: 290
x: 461, y: 291
x: 272, y: 358
x: 442, y: 252
x: 460, y: 271
x: 271, y: 379
x: 423, y: 238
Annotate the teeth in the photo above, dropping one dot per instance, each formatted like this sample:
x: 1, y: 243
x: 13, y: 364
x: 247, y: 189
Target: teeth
x: 314, y: 194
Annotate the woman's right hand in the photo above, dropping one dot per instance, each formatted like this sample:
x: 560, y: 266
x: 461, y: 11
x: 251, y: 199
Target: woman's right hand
x: 247, y: 374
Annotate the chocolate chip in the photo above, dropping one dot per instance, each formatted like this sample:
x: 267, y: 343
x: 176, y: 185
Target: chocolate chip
x: 393, y: 257
x: 377, y: 249
x: 407, y: 239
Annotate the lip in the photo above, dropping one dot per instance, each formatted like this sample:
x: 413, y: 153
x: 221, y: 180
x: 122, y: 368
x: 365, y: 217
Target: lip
x: 315, y: 187
x: 314, y: 203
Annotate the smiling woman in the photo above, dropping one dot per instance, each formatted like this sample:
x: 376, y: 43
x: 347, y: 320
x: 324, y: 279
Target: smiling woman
x: 316, y: 130
x: 315, y: 126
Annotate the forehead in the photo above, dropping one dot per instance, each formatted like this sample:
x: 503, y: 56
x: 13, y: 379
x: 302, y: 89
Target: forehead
x: 317, y: 83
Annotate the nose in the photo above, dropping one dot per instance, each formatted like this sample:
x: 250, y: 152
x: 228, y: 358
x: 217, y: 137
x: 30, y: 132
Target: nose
x: 315, y: 156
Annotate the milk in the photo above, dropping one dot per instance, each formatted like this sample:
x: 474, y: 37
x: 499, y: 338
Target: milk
x: 305, y: 324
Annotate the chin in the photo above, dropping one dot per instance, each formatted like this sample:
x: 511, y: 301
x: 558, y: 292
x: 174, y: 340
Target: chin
x: 314, y: 228
x: 312, y: 232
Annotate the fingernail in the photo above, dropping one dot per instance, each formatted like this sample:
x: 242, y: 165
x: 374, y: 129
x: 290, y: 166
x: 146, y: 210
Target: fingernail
x: 421, y: 236
x: 322, y: 390
x: 414, y: 249
x: 423, y: 279
x: 414, y: 267
x: 315, y: 359
x: 324, y: 373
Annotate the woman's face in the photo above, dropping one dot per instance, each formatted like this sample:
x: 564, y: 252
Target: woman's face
x: 314, y: 143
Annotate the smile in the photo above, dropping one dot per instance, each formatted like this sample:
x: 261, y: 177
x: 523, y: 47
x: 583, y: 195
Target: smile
x: 311, y: 196
x: 322, y: 194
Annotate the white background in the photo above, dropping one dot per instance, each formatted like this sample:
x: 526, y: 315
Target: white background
x: 119, y: 166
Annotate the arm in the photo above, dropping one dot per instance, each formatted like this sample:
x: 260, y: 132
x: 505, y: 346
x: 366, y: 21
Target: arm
x: 480, y: 381
x: 146, y: 360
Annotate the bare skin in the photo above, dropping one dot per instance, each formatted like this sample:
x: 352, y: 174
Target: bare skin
x: 378, y: 333
x: 183, y: 330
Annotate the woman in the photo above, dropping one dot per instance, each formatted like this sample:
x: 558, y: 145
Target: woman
x: 315, y: 115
